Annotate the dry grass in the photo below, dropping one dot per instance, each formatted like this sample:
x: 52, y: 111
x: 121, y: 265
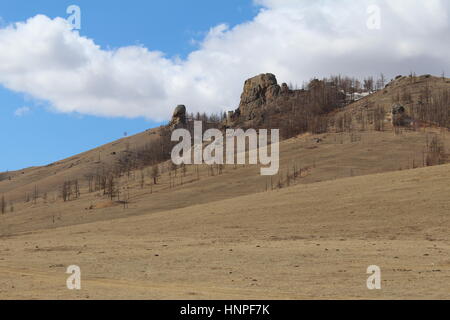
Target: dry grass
x: 308, y: 241
x: 362, y: 198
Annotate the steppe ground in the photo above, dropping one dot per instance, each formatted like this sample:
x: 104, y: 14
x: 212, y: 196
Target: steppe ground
x: 363, y: 198
x: 309, y: 241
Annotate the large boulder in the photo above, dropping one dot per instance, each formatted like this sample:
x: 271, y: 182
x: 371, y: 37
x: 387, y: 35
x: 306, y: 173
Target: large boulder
x: 178, y: 117
x: 399, y: 116
x: 257, y: 92
x: 398, y: 109
x: 285, y: 89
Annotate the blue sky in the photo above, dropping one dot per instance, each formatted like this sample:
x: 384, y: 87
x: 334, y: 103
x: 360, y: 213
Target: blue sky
x: 42, y: 135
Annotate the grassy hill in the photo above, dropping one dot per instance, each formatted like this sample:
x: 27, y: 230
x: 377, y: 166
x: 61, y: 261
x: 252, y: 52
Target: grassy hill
x: 343, y: 200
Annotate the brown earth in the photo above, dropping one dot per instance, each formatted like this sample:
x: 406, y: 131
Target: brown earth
x: 363, y: 198
x: 304, y: 242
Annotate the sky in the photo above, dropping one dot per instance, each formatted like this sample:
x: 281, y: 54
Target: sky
x: 33, y: 132
x: 64, y: 91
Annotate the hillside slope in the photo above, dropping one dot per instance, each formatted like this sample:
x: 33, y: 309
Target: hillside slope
x: 17, y: 184
x: 336, y: 156
x: 307, y: 241
x: 343, y: 200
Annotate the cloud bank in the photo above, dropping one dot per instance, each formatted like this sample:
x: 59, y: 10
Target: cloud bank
x: 294, y: 39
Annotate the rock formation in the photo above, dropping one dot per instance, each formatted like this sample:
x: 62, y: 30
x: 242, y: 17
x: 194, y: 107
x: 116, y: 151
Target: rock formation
x: 257, y: 91
x: 399, y: 116
x: 260, y: 92
x: 178, y: 117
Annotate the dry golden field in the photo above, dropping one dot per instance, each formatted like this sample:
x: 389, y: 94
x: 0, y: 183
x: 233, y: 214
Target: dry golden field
x: 359, y: 198
x: 231, y: 236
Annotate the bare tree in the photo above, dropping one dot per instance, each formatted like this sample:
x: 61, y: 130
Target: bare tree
x: 435, y: 151
x: 35, y: 194
x: 382, y: 81
x: 142, y: 182
x: 155, y: 174
x: 126, y: 199
x: 90, y: 179
x: 368, y: 84
x: 378, y: 118
x: 3, y: 205
x: 111, y: 187
x: 65, y: 191
x: 76, y: 189
x: 183, y: 169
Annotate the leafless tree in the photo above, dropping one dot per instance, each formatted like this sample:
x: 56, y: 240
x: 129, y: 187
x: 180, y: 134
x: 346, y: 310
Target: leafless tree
x: 368, y: 84
x: 90, y: 179
x: 111, y: 187
x: 155, y: 174
x: 35, y: 194
x: 435, y: 151
x: 3, y: 205
x: 76, y: 187
x: 142, y: 182
x: 65, y: 191
x: 183, y: 169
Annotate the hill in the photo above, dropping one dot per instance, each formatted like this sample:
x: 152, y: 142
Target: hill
x: 351, y: 185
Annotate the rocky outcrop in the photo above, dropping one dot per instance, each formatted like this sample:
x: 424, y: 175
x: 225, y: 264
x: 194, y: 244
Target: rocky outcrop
x: 258, y: 93
x: 178, y: 117
x: 265, y: 103
x: 284, y: 89
x: 399, y: 116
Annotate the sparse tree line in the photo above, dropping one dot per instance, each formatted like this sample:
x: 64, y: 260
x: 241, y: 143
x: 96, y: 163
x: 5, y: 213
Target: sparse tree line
x: 426, y: 106
x: 4, y: 205
x: 4, y: 176
x: 286, y: 178
x: 433, y: 108
x: 314, y: 107
x: 434, y: 153
x: 70, y: 190
x: 314, y: 110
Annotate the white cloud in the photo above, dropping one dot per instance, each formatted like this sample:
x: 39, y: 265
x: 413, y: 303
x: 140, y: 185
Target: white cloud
x: 294, y: 39
x: 20, y: 112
